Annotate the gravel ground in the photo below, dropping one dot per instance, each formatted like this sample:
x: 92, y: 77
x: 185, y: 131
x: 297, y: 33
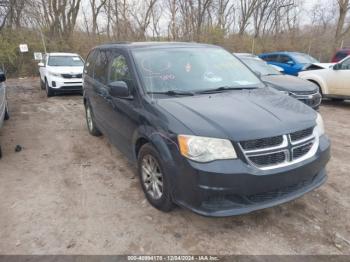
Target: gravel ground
x: 67, y: 192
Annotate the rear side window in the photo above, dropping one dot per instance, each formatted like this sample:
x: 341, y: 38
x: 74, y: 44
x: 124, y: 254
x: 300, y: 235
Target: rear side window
x: 270, y: 58
x: 89, y: 65
x: 101, y: 65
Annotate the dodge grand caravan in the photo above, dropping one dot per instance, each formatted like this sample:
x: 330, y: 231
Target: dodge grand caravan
x: 205, y: 132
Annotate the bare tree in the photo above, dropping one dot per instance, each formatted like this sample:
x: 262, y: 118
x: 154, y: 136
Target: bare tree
x: 96, y: 8
x: 172, y: 26
x: 247, y: 8
x: 142, y: 15
x: 4, y: 12
x: 60, y: 16
x: 225, y: 14
x: 343, y: 27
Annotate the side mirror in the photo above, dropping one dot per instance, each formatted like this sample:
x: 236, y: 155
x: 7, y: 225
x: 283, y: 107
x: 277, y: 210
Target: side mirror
x: 41, y: 64
x: 119, y: 89
x: 2, y: 77
x: 290, y: 62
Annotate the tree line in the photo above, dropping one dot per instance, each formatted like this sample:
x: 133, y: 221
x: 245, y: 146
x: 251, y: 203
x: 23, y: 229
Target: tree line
x: 238, y: 25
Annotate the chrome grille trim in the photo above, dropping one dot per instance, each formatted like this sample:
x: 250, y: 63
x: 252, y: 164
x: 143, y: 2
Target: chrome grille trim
x: 267, y: 149
x: 288, y: 148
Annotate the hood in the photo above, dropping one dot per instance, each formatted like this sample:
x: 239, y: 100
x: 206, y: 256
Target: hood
x: 316, y: 66
x: 240, y: 114
x: 289, y: 83
x: 66, y: 69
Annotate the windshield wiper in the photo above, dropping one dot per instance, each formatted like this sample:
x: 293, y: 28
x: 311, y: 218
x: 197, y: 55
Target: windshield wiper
x: 225, y: 88
x: 173, y: 93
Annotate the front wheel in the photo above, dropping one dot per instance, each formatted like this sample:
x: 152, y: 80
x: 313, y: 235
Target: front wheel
x: 49, y: 91
x: 154, y: 180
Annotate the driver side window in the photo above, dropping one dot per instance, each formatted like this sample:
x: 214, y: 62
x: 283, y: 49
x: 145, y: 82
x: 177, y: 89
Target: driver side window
x: 119, y: 70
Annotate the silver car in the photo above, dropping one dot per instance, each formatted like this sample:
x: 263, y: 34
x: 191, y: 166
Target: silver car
x: 4, y: 114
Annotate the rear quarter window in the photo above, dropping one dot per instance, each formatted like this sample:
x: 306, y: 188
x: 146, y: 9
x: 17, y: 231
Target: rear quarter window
x: 89, y: 65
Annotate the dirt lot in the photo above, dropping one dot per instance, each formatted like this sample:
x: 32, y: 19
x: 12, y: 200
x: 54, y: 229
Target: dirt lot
x: 67, y: 192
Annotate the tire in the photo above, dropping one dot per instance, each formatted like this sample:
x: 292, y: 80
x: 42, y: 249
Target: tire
x: 49, y: 91
x: 91, y: 124
x: 152, y: 178
x: 7, y: 115
x: 42, y: 84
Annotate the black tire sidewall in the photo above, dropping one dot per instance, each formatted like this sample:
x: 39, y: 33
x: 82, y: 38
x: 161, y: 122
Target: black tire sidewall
x: 165, y: 202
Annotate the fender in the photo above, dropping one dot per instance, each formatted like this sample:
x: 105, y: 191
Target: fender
x: 318, y: 80
x: 158, y: 139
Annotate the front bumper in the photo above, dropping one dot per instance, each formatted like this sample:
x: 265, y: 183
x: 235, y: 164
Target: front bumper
x: 63, y: 85
x: 232, y: 187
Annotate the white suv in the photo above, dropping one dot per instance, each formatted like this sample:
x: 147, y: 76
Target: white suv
x: 61, y: 73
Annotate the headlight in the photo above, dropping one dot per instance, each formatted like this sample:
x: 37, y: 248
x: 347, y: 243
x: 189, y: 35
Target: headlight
x: 319, y: 125
x: 54, y: 74
x: 205, y: 149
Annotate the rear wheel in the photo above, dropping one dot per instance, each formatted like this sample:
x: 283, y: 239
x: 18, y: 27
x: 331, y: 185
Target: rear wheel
x: 93, y: 130
x: 49, y: 91
x: 154, y: 180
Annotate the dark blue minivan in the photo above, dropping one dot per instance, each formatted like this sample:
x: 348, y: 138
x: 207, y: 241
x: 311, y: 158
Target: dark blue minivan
x: 204, y: 131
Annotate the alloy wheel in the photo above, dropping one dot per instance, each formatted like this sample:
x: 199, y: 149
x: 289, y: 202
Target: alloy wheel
x: 152, y: 177
x: 89, y: 118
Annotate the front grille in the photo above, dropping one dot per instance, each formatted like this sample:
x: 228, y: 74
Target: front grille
x: 277, y: 151
x: 72, y: 75
x: 302, y: 150
x: 269, y: 159
x: 299, y: 135
x: 71, y: 88
x: 262, y: 143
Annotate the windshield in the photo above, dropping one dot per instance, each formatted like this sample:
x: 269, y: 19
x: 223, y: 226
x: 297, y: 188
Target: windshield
x: 304, y: 58
x: 191, y: 70
x: 260, y: 66
x: 65, y: 61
